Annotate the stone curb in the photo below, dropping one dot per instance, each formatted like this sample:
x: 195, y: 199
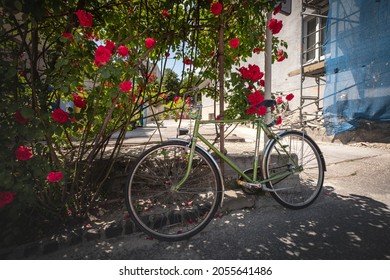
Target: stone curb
x: 68, y: 239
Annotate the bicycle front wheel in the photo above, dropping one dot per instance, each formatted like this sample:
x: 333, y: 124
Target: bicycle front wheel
x: 296, y: 163
x: 163, y: 212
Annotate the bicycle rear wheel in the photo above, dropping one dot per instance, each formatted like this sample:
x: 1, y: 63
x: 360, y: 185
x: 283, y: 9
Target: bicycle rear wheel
x: 295, y: 153
x: 159, y: 210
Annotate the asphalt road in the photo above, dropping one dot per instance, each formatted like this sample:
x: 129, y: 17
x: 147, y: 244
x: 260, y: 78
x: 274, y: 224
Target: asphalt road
x: 350, y: 220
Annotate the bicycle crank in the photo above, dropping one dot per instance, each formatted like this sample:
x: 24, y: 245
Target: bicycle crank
x: 256, y: 187
x: 250, y: 188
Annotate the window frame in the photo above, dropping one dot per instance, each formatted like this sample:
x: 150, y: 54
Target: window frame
x: 319, y: 41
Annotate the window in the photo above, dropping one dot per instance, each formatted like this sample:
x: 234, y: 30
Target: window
x: 314, y: 35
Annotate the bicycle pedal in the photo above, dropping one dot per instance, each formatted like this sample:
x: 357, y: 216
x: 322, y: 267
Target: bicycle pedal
x: 248, y: 185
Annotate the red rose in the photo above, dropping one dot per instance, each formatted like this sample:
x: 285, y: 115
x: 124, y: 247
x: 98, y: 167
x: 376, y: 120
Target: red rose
x: 279, y: 120
x: 277, y: 9
x: 234, y: 43
x: 126, y: 86
x: 102, y: 55
x: 19, y: 118
x: 23, y: 153
x: 255, y: 98
x: 60, y: 116
x: 256, y: 74
x: 289, y: 97
x: 176, y: 99
x: 262, y: 110
x: 85, y: 18
x: 262, y: 83
x: 280, y: 56
x: 244, y: 72
x: 279, y: 100
x: 251, y: 110
x: 150, y: 43
x: 151, y: 78
x: 123, y: 51
x: 252, y: 72
x: 165, y: 13
x: 275, y: 25
x: 79, y: 101
x: 110, y: 45
x: 54, y: 176
x: 257, y: 50
x: 216, y: 8
x: 68, y: 36
x: 6, y: 198
x: 187, y: 61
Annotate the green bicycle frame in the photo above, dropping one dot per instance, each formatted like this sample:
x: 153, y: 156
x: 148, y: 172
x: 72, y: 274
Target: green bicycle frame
x: 260, y: 126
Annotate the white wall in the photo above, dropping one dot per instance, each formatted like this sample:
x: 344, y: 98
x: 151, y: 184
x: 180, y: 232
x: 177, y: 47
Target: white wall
x: 281, y: 81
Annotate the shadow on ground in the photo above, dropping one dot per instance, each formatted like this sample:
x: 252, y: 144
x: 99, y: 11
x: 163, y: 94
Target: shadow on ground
x: 334, y: 227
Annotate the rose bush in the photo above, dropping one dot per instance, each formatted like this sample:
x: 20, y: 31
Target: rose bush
x: 75, y: 72
x: 247, y: 101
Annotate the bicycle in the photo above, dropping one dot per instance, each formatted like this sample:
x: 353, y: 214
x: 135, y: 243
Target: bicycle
x: 175, y: 188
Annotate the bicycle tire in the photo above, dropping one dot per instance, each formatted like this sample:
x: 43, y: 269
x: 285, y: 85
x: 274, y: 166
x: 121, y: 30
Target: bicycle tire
x: 300, y: 189
x: 169, y: 215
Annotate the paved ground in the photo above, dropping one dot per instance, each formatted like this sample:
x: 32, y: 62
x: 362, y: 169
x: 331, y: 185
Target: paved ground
x: 350, y: 220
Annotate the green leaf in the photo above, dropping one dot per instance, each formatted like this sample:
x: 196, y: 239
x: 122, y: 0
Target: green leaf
x: 27, y: 112
x: 18, y: 5
x: 105, y: 73
x: 64, y: 89
x: 11, y: 72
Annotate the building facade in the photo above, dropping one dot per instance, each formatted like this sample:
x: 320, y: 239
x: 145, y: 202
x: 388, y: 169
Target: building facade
x: 302, y: 73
